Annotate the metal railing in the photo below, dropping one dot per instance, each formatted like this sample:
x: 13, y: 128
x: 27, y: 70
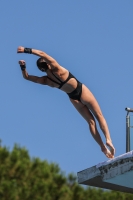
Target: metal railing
x: 131, y: 132
x: 128, y: 129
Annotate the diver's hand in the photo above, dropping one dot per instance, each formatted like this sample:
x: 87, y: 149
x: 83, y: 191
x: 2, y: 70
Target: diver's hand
x: 22, y: 62
x: 20, y: 49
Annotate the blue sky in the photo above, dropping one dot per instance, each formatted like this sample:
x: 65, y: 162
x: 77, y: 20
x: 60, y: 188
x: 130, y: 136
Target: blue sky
x: 94, y: 41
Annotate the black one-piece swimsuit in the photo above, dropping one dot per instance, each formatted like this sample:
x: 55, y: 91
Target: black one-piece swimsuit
x: 76, y: 94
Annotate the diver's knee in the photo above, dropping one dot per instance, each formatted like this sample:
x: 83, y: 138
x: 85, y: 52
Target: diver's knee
x: 92, y: 123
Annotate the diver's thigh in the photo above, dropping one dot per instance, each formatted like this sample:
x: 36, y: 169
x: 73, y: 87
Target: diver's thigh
x: 88, y: 99
x: 83, y: 110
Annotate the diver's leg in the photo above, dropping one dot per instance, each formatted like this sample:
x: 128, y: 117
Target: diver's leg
x: 87, y: 115
x: 89, y: 100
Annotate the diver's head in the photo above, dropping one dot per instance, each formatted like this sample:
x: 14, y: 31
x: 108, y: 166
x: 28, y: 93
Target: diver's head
x: 42, y: 65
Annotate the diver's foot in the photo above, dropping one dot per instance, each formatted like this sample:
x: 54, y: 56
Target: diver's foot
x: 110, y: 146
x: 107, y: 152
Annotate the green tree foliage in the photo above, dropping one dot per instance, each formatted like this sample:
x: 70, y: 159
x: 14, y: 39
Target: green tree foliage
x: 23, y: 178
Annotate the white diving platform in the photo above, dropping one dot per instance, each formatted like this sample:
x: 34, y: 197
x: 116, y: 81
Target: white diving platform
x: 114, y: 174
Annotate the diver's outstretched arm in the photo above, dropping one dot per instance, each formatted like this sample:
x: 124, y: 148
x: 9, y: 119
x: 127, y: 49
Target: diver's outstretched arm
x: 49, y: 60
x: 42, y: 80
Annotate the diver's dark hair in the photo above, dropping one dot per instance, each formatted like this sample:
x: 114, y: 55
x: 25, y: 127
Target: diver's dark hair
x: 41, y: 64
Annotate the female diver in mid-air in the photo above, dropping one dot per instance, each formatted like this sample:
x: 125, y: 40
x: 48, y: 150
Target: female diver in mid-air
x: 79, y: 95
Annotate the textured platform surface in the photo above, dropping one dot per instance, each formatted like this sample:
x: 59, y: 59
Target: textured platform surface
x: 115, y: 174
